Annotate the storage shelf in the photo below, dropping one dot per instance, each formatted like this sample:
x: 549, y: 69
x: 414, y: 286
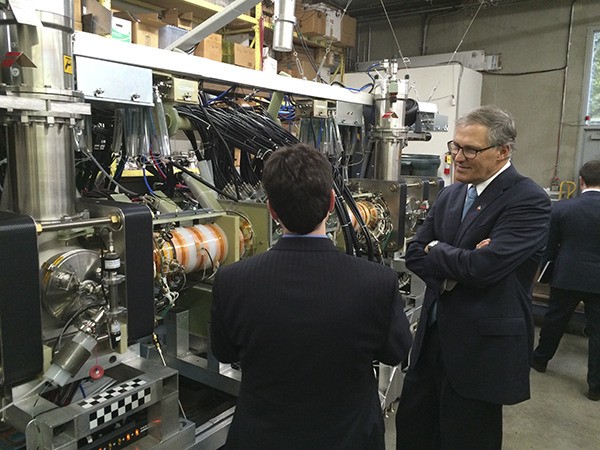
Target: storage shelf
x: 201, y: 9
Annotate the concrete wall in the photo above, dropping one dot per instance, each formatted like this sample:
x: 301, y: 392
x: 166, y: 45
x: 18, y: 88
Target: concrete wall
x: 531, y: 37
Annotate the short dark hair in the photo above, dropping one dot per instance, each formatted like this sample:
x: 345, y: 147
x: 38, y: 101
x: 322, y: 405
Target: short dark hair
x: 590, y: 173
x: 501, y: 126
x: 298, y: 182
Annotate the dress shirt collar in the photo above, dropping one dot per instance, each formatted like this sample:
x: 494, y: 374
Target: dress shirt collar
x: 590, y: 190
x: 481, y: 186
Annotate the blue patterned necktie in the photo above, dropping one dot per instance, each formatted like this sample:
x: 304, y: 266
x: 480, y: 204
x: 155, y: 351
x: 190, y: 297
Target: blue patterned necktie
x: 471, y: 196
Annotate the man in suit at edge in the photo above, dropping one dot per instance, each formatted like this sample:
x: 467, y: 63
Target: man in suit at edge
x: 474, y: 341
x: 306, y: 322
x: 574, y: 246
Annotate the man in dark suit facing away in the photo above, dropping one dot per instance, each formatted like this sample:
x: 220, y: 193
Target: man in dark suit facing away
x: 574, y: 248
x: 306, y: 322
x: 474, y: 340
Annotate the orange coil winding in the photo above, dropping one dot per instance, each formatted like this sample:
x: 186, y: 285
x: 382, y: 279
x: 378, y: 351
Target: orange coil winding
x: 199, y: 247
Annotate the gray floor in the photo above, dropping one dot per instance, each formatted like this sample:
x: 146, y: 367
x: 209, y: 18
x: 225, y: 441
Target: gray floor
x: 558, y: 416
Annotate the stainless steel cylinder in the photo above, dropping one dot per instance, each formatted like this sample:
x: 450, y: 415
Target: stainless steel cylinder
x: 41, y: 166
x: 388, y: 154
x: 283, y: 26
x: 389, y: 132
x: 72, y: 357
x: 49, y: 47
x: 40, y: 142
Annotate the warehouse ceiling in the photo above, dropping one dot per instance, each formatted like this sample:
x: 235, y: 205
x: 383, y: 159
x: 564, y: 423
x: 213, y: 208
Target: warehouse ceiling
x: 366, y: 10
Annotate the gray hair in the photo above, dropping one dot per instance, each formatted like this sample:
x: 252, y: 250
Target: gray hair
x: 500, y: 125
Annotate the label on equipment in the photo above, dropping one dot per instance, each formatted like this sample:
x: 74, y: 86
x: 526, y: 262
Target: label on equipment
x: 68, y: 64
x: 111, y: 264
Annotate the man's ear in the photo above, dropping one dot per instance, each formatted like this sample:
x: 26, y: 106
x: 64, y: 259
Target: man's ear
x: 331, y: 201
x: 504, y: 152
x: 272, y: 212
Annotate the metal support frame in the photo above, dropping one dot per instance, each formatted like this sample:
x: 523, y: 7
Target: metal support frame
x: 93, y: 46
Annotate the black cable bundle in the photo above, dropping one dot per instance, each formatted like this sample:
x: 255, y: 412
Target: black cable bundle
x: 344, y: 201
x: 102, y: 137
x: 350, y: 240
x: 225, y: 128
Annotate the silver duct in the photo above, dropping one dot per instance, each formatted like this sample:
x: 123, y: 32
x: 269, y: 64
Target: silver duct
x: 283, y: 25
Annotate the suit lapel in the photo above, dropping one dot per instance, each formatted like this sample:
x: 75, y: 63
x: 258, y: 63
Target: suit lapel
x: 454, y: 213
x: 495, y: 189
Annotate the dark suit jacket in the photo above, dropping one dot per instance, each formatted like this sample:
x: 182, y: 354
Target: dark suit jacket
x: 485, y: 322
x: 306, y: 321
x: 574, y: 243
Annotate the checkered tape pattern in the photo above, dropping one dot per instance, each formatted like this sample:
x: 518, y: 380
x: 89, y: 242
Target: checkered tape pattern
x: 117, y: 408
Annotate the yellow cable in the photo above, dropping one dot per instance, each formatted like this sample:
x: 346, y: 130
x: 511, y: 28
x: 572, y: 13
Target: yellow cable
x: 571, y: 187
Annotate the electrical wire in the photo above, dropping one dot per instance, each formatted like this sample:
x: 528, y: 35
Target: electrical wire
x: 460, y: 43
x: 57, y: 344
x: 220, y: 96
x: 518, y: 74
x: 248, y: 129
x: 228, y: 153
x: 387, y: 16
x: 309, y: 54
x: 201, y: 180
x: 146, y: 180
x: 107, y: 175
x: 371, y: 67
x: 35, y: 388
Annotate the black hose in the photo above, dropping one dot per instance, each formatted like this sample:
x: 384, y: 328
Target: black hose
x: 201, y: 180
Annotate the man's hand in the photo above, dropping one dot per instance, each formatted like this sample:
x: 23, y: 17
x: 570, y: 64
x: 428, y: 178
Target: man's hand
x: 483, y: 243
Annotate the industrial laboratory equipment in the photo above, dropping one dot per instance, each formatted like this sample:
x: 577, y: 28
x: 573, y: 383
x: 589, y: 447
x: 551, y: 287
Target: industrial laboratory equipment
x: 121, y: 199
x: 77, y: 274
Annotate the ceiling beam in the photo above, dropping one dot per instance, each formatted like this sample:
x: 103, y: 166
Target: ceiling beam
x: 371, y: 12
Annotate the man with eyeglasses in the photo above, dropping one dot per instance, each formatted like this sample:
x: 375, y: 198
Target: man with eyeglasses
x: 478, y: 251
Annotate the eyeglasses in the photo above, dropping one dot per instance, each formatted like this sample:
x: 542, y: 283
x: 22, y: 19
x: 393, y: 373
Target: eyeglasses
x: 468, y: 152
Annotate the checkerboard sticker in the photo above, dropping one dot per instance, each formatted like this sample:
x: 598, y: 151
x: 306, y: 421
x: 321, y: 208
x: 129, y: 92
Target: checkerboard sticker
x: 117, y: 408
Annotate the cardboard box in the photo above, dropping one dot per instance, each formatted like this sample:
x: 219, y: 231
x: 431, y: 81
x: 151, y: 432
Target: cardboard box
x: 288, y: 64
x: 268, y: 8
x: 299, y: 8
x: 210, y: 47
x: 238, y: 54
x: 143, y: 34
x: 96, y: 18
x: 327, y: 59
x: 341, y: 29
x: 312, y: 23
x: 144, y: 27
x: 152, y: 19
x: 121, y: 30
x: 348, y: 32
x: 77, y: 11
x: 178, y: 19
